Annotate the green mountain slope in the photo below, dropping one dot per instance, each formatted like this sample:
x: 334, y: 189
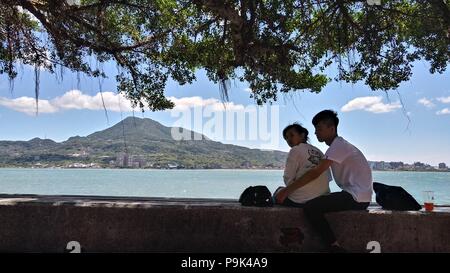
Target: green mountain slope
x: 143, y: 140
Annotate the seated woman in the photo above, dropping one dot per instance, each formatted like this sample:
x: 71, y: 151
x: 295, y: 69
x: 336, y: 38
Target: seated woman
x: 302, y: 157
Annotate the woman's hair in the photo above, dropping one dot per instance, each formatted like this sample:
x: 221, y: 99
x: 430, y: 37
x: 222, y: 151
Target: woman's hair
x: 298, y: 128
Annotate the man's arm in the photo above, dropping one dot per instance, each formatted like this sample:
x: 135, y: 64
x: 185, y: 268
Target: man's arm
x: 309, y: 176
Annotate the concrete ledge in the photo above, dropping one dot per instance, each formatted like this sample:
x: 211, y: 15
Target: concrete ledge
x: 34, y: 223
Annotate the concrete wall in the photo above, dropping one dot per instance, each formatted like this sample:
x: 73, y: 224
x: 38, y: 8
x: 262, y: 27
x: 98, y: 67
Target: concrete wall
x: 30, y: 223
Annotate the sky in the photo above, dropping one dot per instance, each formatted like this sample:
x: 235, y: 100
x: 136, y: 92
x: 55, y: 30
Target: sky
x: 409, y: 124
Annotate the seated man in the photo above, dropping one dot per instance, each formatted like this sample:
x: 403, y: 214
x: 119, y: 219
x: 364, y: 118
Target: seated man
x: 351, y: 172
x: 301, y: 158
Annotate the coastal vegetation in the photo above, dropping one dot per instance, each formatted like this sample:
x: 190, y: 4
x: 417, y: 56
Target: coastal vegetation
x: 275, y: 46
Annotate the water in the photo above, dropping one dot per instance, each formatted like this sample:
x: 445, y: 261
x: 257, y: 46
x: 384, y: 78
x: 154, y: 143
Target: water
x: 187, y: 183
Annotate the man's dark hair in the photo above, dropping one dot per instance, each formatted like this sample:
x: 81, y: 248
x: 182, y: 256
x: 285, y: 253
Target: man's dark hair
x: 298, y: 128
x: 328, y: 116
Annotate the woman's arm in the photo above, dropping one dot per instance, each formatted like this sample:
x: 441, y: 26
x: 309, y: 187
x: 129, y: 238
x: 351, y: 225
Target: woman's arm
x: 291, y: 166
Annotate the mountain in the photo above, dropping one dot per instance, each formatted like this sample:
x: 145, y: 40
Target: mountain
x: 139, y: 142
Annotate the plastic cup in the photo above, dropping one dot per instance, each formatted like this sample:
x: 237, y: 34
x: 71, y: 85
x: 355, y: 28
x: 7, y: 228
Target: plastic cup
x: 428, y: 200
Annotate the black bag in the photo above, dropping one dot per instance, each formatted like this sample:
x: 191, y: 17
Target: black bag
x: 259, y: 196
x: 394, y: 198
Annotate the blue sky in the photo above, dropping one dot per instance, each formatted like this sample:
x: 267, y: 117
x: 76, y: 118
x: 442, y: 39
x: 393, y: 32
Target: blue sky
x: 375, y: 122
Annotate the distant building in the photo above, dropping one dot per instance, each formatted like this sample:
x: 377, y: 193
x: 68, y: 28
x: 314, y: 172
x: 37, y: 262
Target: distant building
x: 397, y: 165
x: 419, y: 164
x: 246, y: 164
x: 379, y: 165
x: 137, y: 161
x: 83, y: 166
x: 122, y: 160
x: 400, y: 166
x: 125, y: 160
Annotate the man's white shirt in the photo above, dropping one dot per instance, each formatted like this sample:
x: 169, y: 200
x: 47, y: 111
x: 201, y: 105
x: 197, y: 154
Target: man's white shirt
x: 351, y: 171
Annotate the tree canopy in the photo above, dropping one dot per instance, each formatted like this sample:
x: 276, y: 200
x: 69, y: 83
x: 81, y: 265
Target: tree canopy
x: 274, y: 45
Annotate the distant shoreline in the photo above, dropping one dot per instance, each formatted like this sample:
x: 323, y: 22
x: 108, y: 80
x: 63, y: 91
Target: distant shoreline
x: 414, y: 171
x: 161, y: 169
x: 225, y: 169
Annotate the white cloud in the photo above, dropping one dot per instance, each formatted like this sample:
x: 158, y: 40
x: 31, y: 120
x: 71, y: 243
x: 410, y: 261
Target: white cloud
x: 445, y: 111
x: 76, y: 100
x: 370, y: 104
x: 182, y: 104
x: 426, y: 102
x: 248, y: 89
x: 444, y: 99
x: 27, y: 105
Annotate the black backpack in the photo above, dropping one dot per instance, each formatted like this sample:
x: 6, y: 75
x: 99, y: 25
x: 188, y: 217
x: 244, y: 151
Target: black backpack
x: 258, y: 196
x: 394, y: 198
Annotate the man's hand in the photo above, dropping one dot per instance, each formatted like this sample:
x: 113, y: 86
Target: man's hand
x: 281, y: 195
